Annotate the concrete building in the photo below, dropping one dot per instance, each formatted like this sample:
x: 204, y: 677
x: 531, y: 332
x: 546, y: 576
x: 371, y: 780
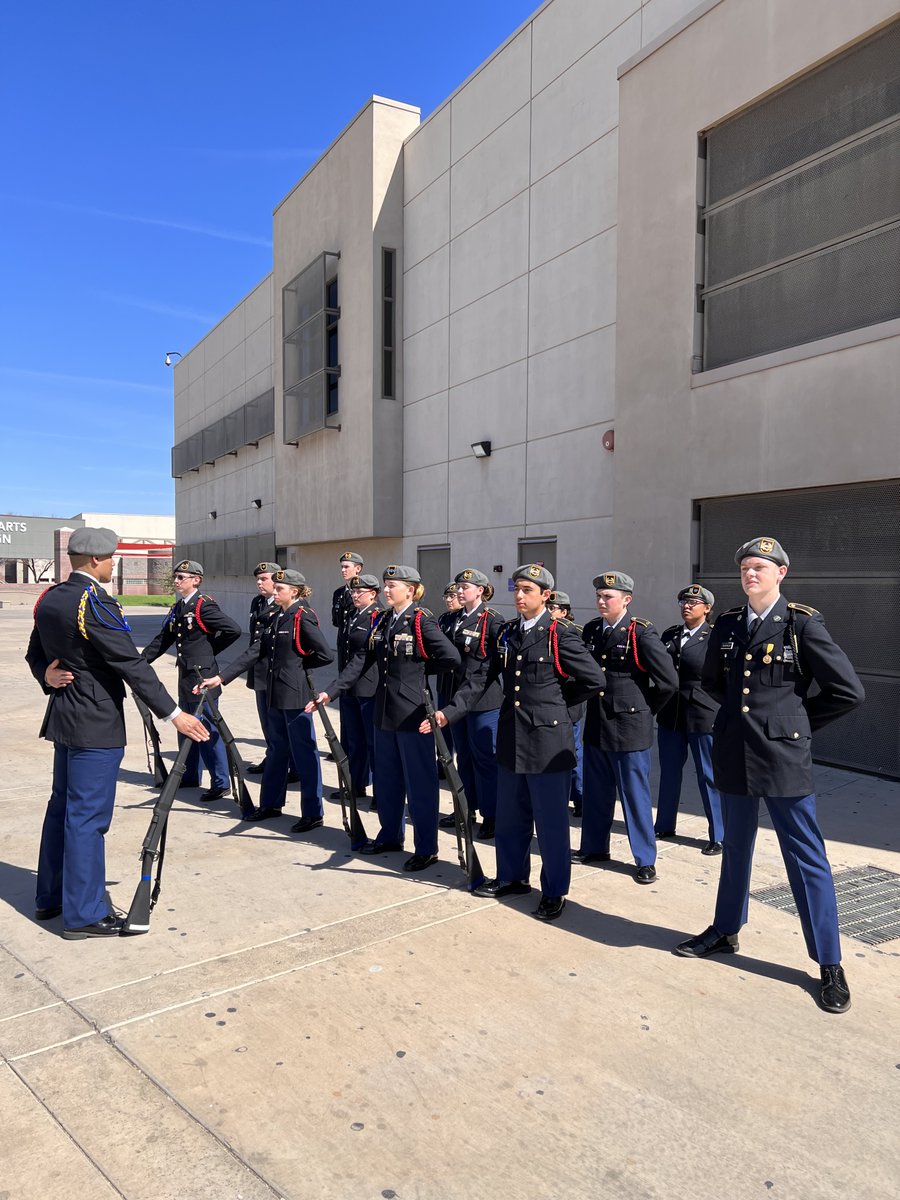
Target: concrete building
x: 557, y: 267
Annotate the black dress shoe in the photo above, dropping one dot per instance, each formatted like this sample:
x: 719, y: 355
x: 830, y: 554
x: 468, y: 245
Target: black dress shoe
x: 710, y: 941
x: 306, y: 823
x: 664, y: 833
x: 550, y: 908
x: 645, y: 875
x: 597, y: 856
x: 47, y: 914
x: 576, y: 810
x: 496, y: 889
x: 835, y: 995
x: 216, y: 794
x: 486, y: 832
x: 448, y: 822
x: 712, y: 848
x: 419, y: 862
x: 257, y: 768
x: 108, y: 926
x: 264, y: 814
x: 293, y: 777
x: 380, y: 847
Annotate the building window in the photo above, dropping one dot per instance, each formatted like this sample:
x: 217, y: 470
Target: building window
x: 800, y: 224
x: 388, y: 319
x: 310, y: 352
x: 539, y: 550
x: 433, y: 564
x: 332, y: 356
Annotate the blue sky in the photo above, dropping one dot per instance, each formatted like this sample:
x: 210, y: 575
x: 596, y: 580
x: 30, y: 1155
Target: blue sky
x: 145, y: 147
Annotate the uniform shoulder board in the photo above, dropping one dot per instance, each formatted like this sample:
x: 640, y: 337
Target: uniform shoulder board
x: 422, y: 609
x: 733, y: 612
x: 673, y: 629
x: 804, y: 608
x: 568, y: 623
x: 494, y: 613
x: 641, y: 621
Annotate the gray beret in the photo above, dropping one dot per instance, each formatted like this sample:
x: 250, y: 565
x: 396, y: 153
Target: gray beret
x: 190, y: 566
x: 560, y: 598
x: 351, y: 556
x: 366, y: 581
x: 294, y: 578
x: 695, y: 592
x: 763, y: 547
x: 402, y: 574
x: 534, y: 573
x: 470, y: 575
x: 266, y: 568
x: 95, y: 543
x: 616, y: 580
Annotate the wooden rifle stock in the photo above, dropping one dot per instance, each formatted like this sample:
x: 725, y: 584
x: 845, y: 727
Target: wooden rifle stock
x: 468, y: 856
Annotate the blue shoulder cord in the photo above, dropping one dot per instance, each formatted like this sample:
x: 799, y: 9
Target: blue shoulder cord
x: 118, y: 618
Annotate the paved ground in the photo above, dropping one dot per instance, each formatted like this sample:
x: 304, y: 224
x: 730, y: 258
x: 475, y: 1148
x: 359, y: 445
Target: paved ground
x: 303, y: 1023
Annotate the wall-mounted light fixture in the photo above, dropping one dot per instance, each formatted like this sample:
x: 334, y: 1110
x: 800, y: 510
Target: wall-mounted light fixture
x: 257, y: 503
x: 169, y: 354
x: 212, y: 514
x: 609, y: 440
x: 498, y: 568
x: 481, y: 449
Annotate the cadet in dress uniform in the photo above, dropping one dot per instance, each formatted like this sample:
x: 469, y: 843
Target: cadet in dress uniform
x: 342, y: 607
x: 560, y: 606
x: 685, y: 721
x: 404, y: 642
x: 263, y: 612
x: 544, y: 668
x: 293, y: 644
x: 760, y: 665
x: 198, y: 629
x: 474, y: 634
x: 618, y: 729
x: 357, y: 704
x: 80, y: 650
x: 447, y: 621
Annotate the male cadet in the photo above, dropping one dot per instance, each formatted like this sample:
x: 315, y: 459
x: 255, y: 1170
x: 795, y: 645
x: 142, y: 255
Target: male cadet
x: 544, y: 668
x: 79, y: 652
x: 264, y: 612
x: 342, y: 606
x: 760, y: 664
x: 618, y: 729
x: 198, y: 629
x: 560, y: 606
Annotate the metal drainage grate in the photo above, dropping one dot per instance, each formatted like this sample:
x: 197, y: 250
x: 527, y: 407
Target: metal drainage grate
x: 868, y: 900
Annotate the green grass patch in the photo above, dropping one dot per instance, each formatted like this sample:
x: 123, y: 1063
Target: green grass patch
x: 155, y: 601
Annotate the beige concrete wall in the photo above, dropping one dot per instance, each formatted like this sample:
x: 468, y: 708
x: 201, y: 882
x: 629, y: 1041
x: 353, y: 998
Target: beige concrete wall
x: 829, y: 416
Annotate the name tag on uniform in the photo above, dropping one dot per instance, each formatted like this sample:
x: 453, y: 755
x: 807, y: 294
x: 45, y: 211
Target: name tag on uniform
x: 788, y: 654
x: 727, y: 646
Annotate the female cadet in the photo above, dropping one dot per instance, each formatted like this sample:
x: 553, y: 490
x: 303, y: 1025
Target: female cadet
x: 296, y: 646
x: 474, y: 634
x: 685, y: 721
x: 404, y: 642
x: 447, y: 622
x: 357, y: 704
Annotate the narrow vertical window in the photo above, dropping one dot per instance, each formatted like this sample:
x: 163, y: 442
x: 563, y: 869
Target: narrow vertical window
x: 388, y: 267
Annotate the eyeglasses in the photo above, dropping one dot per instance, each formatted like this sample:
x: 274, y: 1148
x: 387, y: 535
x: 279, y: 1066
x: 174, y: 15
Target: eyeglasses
x: 691, y: 603
x: 178, y: 578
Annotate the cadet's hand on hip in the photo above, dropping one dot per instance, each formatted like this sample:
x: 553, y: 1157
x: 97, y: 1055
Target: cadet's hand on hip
x: 191, y: 727
x: 56, y: 676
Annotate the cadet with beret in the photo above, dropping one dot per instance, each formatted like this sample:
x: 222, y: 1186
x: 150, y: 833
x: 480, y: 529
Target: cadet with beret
x: 293, y: 645
x: 342, y: 607
x: 80, y: 651
x: 198, y: 629
x: 618, y: 729
x: 474, y: 634
x: 404, y: 642
x: 760, y: 665
x: 544, y: 669
x: 559, y: 606
x: 357, y: 704
x: 263, y: 612
x: 447, y: 622
x: 685, y: 721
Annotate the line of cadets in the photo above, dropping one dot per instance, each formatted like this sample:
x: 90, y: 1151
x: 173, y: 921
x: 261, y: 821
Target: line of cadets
x: 519, y: 697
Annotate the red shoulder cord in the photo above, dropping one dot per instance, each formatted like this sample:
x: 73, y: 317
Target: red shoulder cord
x: 632, y: 638
x: 40, y: 598
x: 417, y: 624
x: 298, y: 617
x: 484, y: 625
x: 553, y: 640
x: 200, y: 600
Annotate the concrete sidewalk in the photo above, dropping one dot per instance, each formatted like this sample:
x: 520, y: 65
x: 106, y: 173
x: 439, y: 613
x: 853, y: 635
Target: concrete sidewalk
x: 304, y: 1023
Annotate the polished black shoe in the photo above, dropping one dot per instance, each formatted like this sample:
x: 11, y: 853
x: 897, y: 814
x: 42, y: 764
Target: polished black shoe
x: 486, y: 832
x: 578, y: 856
x: 496, y: 889
x: 419, y: 862
x: 645, y: 875
x: 576, y: 810
x: 712, y: 848
x: 216, y: 794
x: 835, y: 994
x: 448, y: 822
x: 108, y: 926
x: 47, y: 914
x: 306, y: 823
x: 257, y: 768
x: 710, y: 941
x: 380, y: 847
x: 550, y: 908
x: 293, y: 777
x: 664, y: 833
x: 264, y: 814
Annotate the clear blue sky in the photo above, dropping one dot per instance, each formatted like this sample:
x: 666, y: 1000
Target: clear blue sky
x: 145, y: 146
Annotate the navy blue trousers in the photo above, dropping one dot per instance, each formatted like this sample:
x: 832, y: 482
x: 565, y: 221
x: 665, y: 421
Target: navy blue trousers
x: 358, y: 737
x: 808, y: 869
x: 292, y: 737
x: 476, y: 760
x: 213, y: 756
x: 673, y: 752
x: 262, y: 711
x: 72, y: 860
x: 629, y: 771
x: 406, y: 770
x: 526, y: 803
x: 576, y: 790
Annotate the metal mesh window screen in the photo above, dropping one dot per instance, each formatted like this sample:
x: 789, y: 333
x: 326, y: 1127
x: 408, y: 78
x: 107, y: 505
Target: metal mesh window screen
x: 305, y: 346
x: 434, y: 567
x: 539, y: 550
x: 802, y: 220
